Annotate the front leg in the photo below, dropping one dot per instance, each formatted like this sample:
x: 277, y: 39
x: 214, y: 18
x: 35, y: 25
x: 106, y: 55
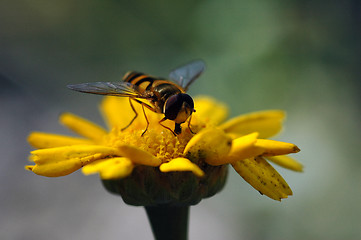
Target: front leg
x: 160, y: 123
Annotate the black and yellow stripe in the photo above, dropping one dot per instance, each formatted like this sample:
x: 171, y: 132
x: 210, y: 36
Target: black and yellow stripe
x: 144, y: 82
x: 156, y: 90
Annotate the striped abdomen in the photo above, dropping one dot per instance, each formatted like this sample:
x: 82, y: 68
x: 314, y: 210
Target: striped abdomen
x: 157, y: 91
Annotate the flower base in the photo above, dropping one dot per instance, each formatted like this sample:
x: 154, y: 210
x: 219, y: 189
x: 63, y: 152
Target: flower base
x: 147, y: 186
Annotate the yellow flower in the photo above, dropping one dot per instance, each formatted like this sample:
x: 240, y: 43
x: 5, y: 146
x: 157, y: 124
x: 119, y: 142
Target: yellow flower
x: 160, y: 168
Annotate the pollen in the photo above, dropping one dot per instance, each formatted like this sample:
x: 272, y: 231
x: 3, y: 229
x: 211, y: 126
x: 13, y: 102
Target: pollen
x: 161, y: 144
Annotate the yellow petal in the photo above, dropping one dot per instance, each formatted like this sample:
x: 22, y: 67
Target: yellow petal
x: 116, y: 111
x: 209, y: 110
x: 287, y: 162
x: 82, y: 126
x: 139, y: 156
x: 263, y: 177
x: 111, y: 168
x: 181, y: 165
x: 244, y: 147
x: 211, y: 145
x: 61, y: 161
x: 273, y: 148
x: 48, y: 140
x: 266, y: 123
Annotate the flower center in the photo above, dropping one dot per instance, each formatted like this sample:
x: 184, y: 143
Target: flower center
x: 160, y: 142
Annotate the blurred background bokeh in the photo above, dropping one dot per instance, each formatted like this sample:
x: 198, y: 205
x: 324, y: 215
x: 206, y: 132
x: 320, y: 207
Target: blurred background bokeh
x: 300, y: 56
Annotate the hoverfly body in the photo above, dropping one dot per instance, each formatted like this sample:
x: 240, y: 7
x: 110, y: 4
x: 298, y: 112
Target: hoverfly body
x: 161, y: 95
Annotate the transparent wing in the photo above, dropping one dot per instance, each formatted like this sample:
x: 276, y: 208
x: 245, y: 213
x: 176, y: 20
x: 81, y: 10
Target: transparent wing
x: 121, y: 89
x: 185, y: 75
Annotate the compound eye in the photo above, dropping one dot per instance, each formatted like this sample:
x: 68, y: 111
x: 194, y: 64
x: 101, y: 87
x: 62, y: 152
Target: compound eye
x: 188, y: 99
x: 173, y: 106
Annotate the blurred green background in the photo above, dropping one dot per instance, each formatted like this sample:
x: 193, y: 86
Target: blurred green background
x: 300, y: 56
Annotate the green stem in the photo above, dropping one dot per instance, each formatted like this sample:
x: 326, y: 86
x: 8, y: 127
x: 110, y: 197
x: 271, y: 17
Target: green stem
x: 168, y: 222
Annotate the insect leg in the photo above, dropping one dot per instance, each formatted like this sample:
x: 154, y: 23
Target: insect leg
x: 189, y: 124
x: 160, y: 123
x: 145, y: 119
x: 136, y: 115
